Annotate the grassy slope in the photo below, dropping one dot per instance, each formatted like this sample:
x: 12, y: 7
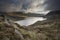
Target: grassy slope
x: 45, y: 30
x: 48, y: 30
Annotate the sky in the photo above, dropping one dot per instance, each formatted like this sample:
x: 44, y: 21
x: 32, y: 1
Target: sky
x: 29, y: 5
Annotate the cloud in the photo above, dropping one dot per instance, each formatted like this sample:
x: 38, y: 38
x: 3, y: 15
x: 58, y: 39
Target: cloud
x: 17, y: 5
x: 10, y: 5
x: 36, y: 5
x: 29, y: 5
x: 52, y: 4
x: 44, y: 5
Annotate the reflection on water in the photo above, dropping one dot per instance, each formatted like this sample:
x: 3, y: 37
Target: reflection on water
x: 30, y: 20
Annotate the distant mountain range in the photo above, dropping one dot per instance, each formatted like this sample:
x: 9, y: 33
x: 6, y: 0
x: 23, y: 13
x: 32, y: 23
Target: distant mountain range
x: 21, y: 15
x: 53, y: 15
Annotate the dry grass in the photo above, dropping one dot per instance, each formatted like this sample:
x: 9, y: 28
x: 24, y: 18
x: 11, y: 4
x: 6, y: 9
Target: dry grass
x: 45, y: 31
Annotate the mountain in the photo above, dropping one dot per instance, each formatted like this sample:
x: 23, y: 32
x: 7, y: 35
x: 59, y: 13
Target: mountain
x: 26, y: 14
x: 19, y: 15
x: 53, y: 15
x: 12, y: 16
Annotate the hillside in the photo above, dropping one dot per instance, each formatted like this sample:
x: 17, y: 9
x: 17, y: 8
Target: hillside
x: 48, y: 30
x: 20, y: 15
x: 53, y: 15
x: 41, y: 30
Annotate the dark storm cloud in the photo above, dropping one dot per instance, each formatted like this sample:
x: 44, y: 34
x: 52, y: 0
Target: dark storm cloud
x: 36, y: 5
x: 52, y: 4
x: 6, y: 5
x: 26, y: 4
x: 14, y: 5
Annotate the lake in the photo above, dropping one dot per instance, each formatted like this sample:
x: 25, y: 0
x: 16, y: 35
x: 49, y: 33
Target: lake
x: 30, y: 20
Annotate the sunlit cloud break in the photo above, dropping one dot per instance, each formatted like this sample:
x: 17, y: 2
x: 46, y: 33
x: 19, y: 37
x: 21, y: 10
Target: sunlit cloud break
x: 29, y: 5
x: 22, y: 5
x: 36, y: 5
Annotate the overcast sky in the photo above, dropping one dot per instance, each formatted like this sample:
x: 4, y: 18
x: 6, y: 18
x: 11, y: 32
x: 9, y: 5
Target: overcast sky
x: 29, y: 5
x: 37, y: 6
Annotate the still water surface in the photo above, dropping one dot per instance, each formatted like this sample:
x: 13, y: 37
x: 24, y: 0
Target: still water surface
x: 30, y: 20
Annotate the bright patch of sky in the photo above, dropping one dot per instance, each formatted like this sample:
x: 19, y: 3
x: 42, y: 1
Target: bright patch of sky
x: 37, y: 6
x: 29, y: 5
x: 23, y: 5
